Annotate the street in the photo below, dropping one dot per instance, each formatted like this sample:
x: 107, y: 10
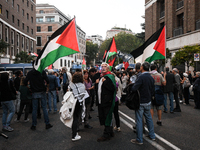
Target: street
x: 179, y: 131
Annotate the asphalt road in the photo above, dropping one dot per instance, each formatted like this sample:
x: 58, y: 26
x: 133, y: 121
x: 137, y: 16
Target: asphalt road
x: 179, y: 131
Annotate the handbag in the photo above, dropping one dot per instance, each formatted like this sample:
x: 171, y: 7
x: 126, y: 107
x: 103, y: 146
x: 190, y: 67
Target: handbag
x: 186, y: 83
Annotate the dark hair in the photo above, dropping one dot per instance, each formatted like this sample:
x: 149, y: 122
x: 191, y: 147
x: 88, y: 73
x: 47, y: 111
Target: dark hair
x: 137, y: 66
x: 153, y: 67
x: 77, y: 77
x: 78, y: 70
x: 118, y: 73
x: 146, y: 66
x: 84, y: 72
x: 92, y: 70
x: 124, y: 72
x: 18, y: 72
x: 167, y: 69
x: 4, y: 77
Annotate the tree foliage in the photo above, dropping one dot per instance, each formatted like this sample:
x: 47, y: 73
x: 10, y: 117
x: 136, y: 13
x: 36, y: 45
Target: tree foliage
x: 23, y: 57
x: 3, y: 46
x: 185, y: 55
x: 124, y: 42
x: 91, y: 52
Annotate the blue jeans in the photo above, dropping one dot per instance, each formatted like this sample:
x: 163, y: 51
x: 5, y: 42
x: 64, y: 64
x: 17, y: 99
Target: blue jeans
x: 171, y: 96
x: 35, y: 98
x: 52, y: 93
x: 6, y: 118
x: 144, y: 110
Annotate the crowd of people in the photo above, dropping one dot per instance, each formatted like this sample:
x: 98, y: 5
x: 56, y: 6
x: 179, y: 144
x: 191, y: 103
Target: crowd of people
x: 102, y: 87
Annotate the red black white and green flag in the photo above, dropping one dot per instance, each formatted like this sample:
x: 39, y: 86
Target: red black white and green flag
x: 84, y: 63
x: 152, y: 49
x: 63, y: 42
x: 112, y: 52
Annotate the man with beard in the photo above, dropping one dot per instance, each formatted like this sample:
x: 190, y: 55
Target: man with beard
x: 106, y: 97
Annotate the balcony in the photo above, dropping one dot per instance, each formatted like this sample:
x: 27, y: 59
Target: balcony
x: 162, y: 14
x: 178, y: 31
x: 180, y: 4
x: 198, y: 25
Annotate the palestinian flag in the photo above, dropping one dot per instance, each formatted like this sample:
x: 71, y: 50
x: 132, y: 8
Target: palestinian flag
x: 63, y: 42
x: 152, y: 49
x: 83, y: 63
x: 112, y: 51
x: 126, y: 64
x: 104, y: 55
x: 33, y: 54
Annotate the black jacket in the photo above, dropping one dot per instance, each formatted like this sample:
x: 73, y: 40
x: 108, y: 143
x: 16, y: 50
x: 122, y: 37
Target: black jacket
x: 37, y: 80
x: 6, y: 90
x: 170, y: 82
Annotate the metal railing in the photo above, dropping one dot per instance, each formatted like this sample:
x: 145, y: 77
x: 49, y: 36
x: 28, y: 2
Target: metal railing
x: 180, y: 4
x: 178, y: 31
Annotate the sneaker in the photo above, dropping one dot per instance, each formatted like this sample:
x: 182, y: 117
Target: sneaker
x: 76, y: 138
x: 150, y: 138
x: 48, y: 126
x: 4, y: 128
x: 177, y: 110
x: 164, y: 111
x: 9, y: 129
x: 136, y: 142
x: 33, y: 128
x: 27, y: 120
x: 171, y: 112
x: 159, y: 123
x: 117, y: 129
x: 88, y: 126
x: 16, y: 120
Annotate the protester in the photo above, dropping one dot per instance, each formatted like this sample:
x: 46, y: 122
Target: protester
x: 38, y: 89
x: 19, y: 74
x: 53, y: 88
x: 89, y: 87
x: 25, y: 96
x: 66, y: 80
x: 59, y: 87
x: 145, y: 85
x: 8, y: 93
x: 168, y: 90
x: 176, y: 89
x: 186, y: 84
x: 79, y: 91
x: 196, y: 89
x: 106, y: 97
x: 159, y: 82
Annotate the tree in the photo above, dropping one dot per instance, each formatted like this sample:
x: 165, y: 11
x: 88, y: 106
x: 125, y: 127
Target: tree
x: 23, y: 57
x: 185, y: 56
x: 91, y: 52
x: 3, y: 46
x: 142, y: 34
x: 124, y: 42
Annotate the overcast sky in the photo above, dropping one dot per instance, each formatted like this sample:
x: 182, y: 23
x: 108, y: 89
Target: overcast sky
x: 96, y: 17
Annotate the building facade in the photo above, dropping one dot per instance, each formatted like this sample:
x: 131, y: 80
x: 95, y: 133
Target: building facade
x: 95, y: 39
x: 114, y: 31
x: 182, y: 20
x: 48, y: 20
x: 17, y: 27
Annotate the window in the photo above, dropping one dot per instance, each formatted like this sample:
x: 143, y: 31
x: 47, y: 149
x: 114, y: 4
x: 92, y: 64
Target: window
x: 65, y: 62
x: 27, y: 16
x: 6, y: 34
x: 12, y: 37
x: 0, y: 30
x: 27, y: 29
x: 68, y: 63
x: 39, y: 41
x: 23, y: 26
x: 60, y: 62
x: 23, y: 1
x: 38, y: 28
x: 38, y: 51
x: 32, y: 31
x: 0, y: 9
x: 31, y: 19
x: 27, y: 44
x: 39, y: 19
x: 18, y: 8
x: 50, y: 19
x: 31, y: 45
x: 12, y: 51
x: 12, y: 3
x: 49, y: 28
x: 60, y: 20
x: 7, y: 14
x: 18, y: 22
x: 17, y: 40
x: 41, y: 11
x: 13, y: 19
x: 48, y: 37
x: 22, y: 12
x: 27, y: 3
x: 22, y: 42
x: 31, y: 7
x: 17, y: 50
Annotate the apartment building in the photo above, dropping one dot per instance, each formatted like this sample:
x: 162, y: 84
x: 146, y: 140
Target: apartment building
x: 48, y: 20
x: 182, y: 20
x: 17, y: 27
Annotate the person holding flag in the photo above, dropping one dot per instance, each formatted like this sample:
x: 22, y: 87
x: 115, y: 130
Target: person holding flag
x: 106, y: 96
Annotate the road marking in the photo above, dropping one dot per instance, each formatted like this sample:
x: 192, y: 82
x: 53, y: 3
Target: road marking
x: 157, y: 136
x: 148, y: 140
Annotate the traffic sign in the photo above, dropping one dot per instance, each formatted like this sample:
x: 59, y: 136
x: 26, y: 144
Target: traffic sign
x: 196, y: 57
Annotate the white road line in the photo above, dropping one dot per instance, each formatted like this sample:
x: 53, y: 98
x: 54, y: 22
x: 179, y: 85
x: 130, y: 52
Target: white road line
x: 148, y: 140
x: 157, y: 136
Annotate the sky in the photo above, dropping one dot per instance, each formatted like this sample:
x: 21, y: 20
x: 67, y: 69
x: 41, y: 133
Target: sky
x: 96, y: 17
